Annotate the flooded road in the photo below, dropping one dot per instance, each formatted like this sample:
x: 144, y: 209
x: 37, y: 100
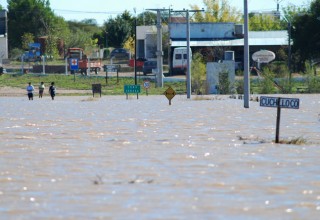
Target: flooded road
x: 112, y: 158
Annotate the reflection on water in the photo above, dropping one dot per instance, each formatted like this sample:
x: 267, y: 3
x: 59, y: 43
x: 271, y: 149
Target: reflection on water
x: 112, y: 158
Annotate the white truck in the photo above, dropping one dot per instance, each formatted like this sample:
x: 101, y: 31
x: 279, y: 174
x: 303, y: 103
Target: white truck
x: 179, y: 60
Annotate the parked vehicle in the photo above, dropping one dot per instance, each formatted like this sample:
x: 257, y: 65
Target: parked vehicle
x: 120, y: 53
x: 33, y: 54
x: 2, y: 70
x: 139, y: 62
x: 148, y: 66
x: 83, y: 61
x: 179, y: 60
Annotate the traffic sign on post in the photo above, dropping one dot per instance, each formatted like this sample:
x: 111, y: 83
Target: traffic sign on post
x: 266, y: 101
x: 74, y: 64
x: 146, y: 85
x: 132, y: 89
x: 279, y: 102
x: 169, y: 93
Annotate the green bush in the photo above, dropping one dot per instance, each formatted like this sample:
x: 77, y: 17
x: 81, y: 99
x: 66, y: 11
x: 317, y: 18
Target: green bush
x: 266, y: 84
x: 224, y: 83
x: 15, y: 54
x: 280, y: 69
x: 313, y: 82
x: 198, y: 69
x: 239, y: 85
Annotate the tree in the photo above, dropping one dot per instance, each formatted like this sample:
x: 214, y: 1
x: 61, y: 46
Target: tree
x: 26, y: 39
x: 119, y: 29
x: 27, y: 16
x: 84, y: 34
x: 306, y: 34
x: 147, y: 18
x: 217, y: 11
x: 264, y: 22
x: 198, y: 68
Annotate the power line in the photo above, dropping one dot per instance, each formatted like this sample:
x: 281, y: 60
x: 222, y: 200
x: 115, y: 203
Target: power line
x: 88, y: 12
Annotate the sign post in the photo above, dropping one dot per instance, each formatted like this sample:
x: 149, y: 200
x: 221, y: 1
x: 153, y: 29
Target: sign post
x: 169, y: 93
x: 111, y: 68
x: 74, y: 65
x: 278, y: 102
x: 146, y: 85
x: 132, y: 89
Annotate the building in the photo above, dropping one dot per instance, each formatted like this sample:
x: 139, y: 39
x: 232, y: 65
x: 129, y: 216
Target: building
x: 225, y: 36
x: 3, y: 36
x: 147, y: 41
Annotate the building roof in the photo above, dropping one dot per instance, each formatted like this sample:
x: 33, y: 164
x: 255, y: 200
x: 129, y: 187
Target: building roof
x: 256, y: 38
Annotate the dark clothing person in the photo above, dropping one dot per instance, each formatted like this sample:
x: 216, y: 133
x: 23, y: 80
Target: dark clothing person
x: 52, y: 90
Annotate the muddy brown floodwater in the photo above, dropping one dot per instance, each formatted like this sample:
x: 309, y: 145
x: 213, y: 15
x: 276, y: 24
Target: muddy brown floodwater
x: 112, y: 158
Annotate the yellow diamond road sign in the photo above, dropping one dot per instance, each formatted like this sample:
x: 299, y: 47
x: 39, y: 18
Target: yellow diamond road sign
x: 169, y: 93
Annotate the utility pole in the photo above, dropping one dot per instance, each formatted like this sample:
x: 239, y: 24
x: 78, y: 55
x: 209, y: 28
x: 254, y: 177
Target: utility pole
x: 278, y: 4
x: 246, y: 78
x: 169, y: 43
x: 188, y: 49
x: 289, y: 45
x: 135, y: 47
x: 159, y: 52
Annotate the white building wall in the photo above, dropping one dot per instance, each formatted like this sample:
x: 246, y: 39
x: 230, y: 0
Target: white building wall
x: 149, y: 35
x: 3, y: 47
x: 3, y: 36
x: 213, y: 71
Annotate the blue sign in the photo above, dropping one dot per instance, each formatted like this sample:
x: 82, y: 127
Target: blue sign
x: 74, y: 64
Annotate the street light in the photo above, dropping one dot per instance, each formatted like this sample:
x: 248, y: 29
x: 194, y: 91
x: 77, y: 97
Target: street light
x: 246, y: 76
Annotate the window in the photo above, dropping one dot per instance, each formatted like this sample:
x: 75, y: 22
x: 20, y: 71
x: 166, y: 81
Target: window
x: 178, y: 56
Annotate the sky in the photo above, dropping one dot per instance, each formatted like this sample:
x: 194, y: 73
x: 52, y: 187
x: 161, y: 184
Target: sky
x: 101, y: 10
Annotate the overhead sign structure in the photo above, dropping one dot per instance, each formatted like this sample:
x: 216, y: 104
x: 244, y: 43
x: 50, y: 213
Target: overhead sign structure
x: 169, y: 93
x: 263, y: 56
x: 74, y: 64
x: 279, y: 102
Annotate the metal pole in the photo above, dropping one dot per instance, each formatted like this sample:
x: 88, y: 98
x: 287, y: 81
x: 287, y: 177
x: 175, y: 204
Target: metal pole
x: 188, y: 58
x: 246, y: 78
x: 135, y: 50
x: 43, y: 65
x: 289, y: 48
x: 22, y: 63
x: 66, y: 65
x: 89, y: 68
x: 169, y: 44
x: 159, y: 51
x: 278, y: 121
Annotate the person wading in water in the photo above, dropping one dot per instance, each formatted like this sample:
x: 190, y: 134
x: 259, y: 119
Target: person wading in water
x: 30, y: 90
x: 52, y: 90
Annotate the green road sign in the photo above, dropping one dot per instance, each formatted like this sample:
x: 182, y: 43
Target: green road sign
x: 132, y: 89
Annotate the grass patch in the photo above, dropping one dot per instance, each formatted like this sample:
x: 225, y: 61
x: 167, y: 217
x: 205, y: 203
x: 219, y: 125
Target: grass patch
x: 295, y: 141
x: 79, y: 82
